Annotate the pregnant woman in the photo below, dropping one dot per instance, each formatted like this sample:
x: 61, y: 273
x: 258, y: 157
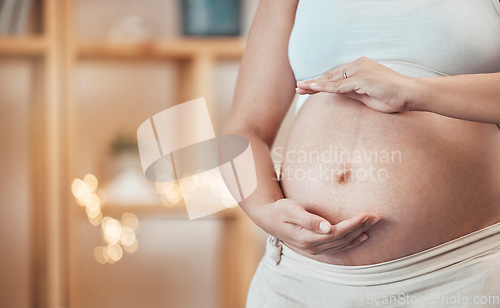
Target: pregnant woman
x: 389, y: 193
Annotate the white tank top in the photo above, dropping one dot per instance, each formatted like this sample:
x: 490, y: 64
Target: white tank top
x: 413, y: 37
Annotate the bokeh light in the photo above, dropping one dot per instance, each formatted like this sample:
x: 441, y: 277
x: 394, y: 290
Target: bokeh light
x: 127, y: 236
x: 130, y: 220
x: 111, y: 230
x: 170, y: 193
x: 118, y: 235
x: 115, y: 252
x: 95, y: 221
x: 101, y: 254
x: 91, y: 180
x: 188, y: 188
x: 132, y: 248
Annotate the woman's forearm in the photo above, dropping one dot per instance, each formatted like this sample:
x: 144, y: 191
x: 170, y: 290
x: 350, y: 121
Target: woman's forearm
x: 263, y: 95
x: 467, y: 97
x: 268, y: 189
x: 474, y: 97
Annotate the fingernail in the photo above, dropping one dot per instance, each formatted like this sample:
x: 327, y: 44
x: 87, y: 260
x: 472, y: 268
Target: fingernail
x: 363, y: 237
x: 374, y: 221
x: 324, y: 226
x: 364, y: 219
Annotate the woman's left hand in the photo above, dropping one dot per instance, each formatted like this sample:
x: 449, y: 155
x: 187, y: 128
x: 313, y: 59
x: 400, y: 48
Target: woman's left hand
x: 369, y: 82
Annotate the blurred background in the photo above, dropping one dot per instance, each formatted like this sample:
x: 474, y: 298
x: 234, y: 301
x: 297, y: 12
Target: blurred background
x: 80, y: 226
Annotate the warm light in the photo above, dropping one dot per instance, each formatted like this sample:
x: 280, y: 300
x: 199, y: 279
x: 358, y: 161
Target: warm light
x: 188, y: 188
x: 171, y: 194
x: 127, y: 237
x: 85, y: 196
x: 112, y: 230
x: 115, y: 233
x: 165, y: 202
x: 115, y: 252
x: 101, y: 254
x: 92, y: 213
x: 164, y: 187
x: 130, y: 220
x: 132, y: 248
x: 91, y: 180
x: 174, y: 196
x: 93, y: 202
x: 81, y: 190
x: 95, y: 221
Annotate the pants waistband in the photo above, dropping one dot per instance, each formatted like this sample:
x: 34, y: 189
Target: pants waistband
x: 470, y: 246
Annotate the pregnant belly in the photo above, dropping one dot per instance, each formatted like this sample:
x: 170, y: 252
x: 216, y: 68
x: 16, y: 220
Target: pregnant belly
x: 430, y: 178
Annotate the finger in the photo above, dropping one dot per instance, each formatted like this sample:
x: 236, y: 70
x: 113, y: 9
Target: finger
x: 335, y: 74
x: 347, y: 230
x: 304, y: 84
x: 349, y: 85
x: 329, y: 87
x: 348, y: 245
x: 360, y: 239
x: 305, y: 91
x: 339, y: 243
x: 317, y: 242
x: 340, y: 87
x: 332, y: 75
x: 299, y: 216
x: 331, y: 241
x: 346, y: 226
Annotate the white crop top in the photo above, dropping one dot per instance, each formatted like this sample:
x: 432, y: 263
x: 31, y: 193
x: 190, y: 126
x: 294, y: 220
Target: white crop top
x: 413, y: 37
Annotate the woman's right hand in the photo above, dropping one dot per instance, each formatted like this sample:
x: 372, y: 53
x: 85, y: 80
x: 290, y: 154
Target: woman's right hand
x: 288, y: 221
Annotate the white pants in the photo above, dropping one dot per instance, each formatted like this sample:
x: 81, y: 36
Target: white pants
x: 464, y: 272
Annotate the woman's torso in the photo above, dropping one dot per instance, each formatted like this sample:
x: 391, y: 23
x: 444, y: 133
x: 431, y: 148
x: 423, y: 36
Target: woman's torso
x: 430, y: 178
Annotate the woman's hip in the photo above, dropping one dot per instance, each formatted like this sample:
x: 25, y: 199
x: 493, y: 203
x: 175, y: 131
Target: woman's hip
x: 460, y: 272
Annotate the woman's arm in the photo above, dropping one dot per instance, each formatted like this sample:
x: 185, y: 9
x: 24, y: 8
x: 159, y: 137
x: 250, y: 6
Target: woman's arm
x: 255, y: 114
x: 264, y: 92
x: 467, y: 97
x: 473, y: 97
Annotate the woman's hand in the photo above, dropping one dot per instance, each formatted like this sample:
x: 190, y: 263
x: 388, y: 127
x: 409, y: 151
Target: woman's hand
x: 288, y: 221
x: 369, y: 82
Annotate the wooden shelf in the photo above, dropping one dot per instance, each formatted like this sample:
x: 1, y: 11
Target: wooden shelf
x: 162, y: 212
x: 178, y: 48
x: 22, y: 46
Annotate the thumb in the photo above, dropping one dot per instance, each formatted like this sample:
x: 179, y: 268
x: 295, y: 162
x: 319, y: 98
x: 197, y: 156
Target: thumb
x: 299, y: 216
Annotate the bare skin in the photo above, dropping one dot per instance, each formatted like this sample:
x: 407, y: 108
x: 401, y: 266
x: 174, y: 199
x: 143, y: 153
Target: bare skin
x: 444, y: 186
x: 257, y: 115
x: 430, y: 178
